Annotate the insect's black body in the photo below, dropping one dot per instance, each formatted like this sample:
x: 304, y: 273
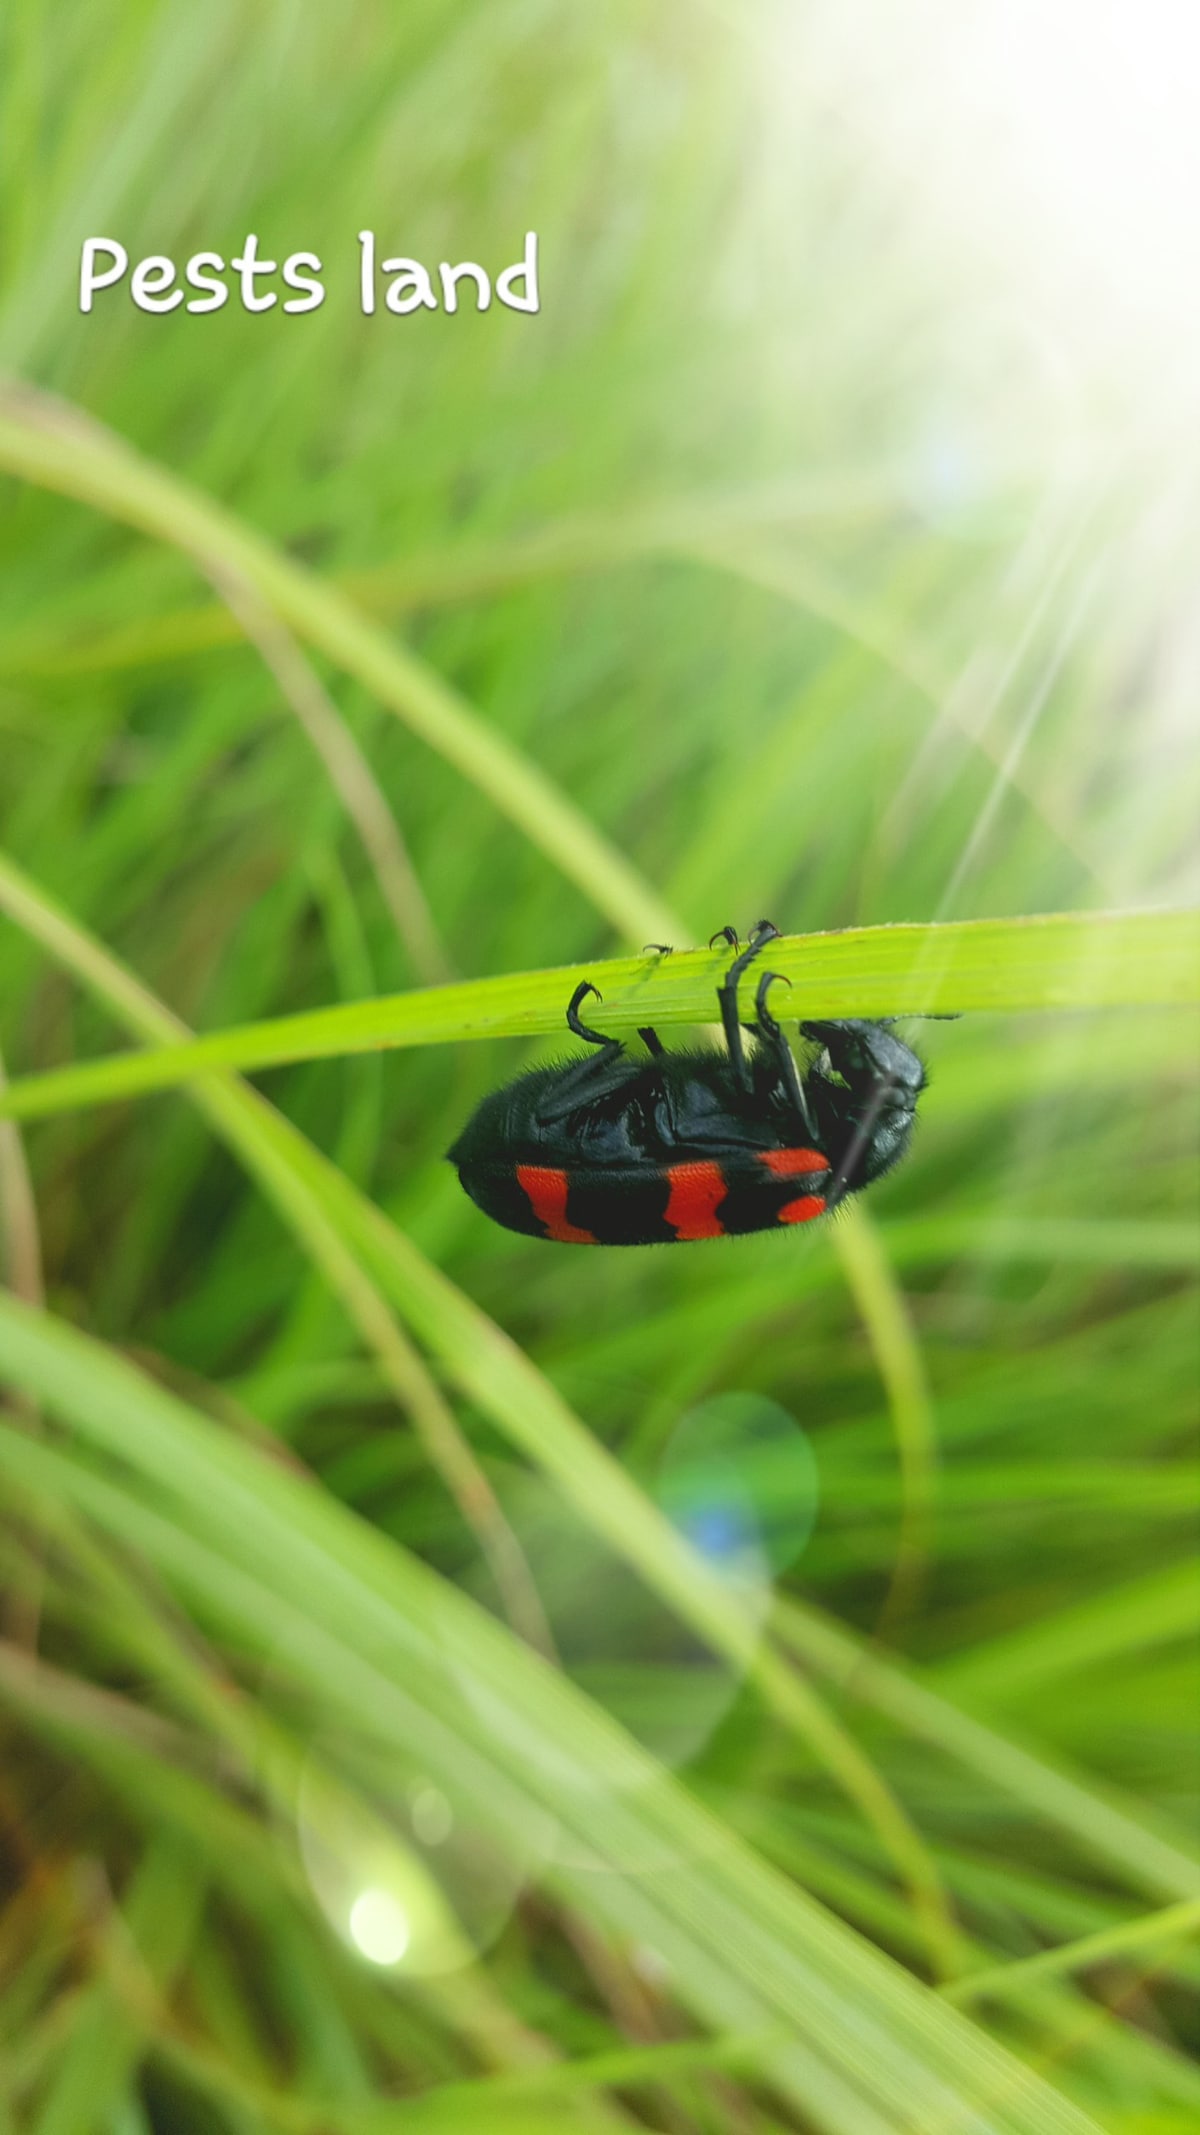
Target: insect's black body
x: 609, y: 1150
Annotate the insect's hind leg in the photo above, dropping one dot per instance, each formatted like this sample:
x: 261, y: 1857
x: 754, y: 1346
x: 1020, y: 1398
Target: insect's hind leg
x: 596, y: 1076
x: 585, y: 1082
x: 760, y: 935
x: 773, y: 1039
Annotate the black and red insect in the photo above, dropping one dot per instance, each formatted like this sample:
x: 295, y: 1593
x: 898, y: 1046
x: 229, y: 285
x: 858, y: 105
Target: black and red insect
x: 609, y: 1150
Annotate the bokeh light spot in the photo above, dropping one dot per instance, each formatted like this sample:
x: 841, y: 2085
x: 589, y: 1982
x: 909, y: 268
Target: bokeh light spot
x: 739, y: 1479
x: 379, y: 1927
x: 431, y: 1814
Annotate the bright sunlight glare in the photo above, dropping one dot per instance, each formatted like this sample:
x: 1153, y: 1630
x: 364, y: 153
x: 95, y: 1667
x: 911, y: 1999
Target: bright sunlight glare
x: 1055, y: 141
x: 379, y: 1927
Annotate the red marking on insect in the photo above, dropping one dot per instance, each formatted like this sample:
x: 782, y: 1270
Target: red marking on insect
x: 696, y: 1192
x: 786, y: 1163
x: 546, y: 1192
x: 803, y: 1210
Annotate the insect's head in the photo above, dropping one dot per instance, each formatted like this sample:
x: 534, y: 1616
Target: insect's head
x: 868, y: 1055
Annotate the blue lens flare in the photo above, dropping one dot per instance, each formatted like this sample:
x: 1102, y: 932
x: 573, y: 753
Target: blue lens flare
x: 716, y: 1530
x: 739, y: 1479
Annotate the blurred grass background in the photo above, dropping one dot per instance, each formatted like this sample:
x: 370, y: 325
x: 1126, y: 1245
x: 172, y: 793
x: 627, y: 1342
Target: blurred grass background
x: 835, y: 556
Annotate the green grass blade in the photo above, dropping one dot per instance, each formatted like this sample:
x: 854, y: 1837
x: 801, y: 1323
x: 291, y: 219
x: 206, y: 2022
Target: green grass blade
x: 1156, y: 1860
x: 401, y: 1366
x: 157, y: 1922
x: 1131, y: 1616
x: 1068, y: 960
x: 1149, y: 1932
x: 369, y: 1261
x: 492, y: 1369
x: 872, y: 2050
x: 48, y: 442
x: 764, y: 572
x: 466, y: 571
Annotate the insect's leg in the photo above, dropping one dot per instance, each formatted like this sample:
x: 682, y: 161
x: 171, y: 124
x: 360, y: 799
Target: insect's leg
x: 760, y: 935
x: 583, y: 1081
x: 785, y: 1060
x: 586, y: 1081
x: 728, y: 934
x: 593, y: 1037
x: 652, y: 1042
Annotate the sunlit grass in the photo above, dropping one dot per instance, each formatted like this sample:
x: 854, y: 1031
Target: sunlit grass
x: 376, y: 1752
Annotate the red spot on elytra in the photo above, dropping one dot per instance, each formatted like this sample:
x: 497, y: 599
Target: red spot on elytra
x: 803, y: 1210
x: 546, y: 1192
x: 696, y: 1193
x: 788, y: 1163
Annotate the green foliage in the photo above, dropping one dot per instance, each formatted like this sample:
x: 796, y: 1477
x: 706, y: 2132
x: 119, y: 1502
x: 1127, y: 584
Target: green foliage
x: 337, y: 1543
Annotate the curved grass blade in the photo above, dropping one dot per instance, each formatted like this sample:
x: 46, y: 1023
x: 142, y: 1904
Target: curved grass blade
x: 1145, y: 1855
x: 898, y: 1360
x: 52, y: 443
x: 349, y: 774
x: 158, y: 1921
x: 469, y: 571
x: 403, y: 1371
x: 49, y: 442
x: 870, y: 2049
x: 1064, y: 960
x: 1150, y: 1931
x: 493, y: 1370
x: 365, y: 1255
